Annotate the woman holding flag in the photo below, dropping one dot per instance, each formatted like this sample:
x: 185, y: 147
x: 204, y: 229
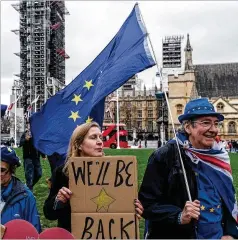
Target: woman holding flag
x: 207, y: 208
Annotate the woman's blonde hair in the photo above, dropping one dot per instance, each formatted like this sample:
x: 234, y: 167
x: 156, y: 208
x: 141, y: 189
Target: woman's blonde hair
x: 76, y: 140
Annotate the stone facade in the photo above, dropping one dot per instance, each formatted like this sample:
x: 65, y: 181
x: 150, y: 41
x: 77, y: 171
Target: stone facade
x: 229, y: 108
x: 180, y: 92
x: 138, y: 109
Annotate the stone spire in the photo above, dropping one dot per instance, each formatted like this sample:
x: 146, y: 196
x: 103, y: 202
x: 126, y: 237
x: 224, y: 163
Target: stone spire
x: 188, y: 55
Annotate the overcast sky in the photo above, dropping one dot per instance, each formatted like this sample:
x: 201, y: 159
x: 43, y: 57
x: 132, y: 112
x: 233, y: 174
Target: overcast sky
x: 213, y: 29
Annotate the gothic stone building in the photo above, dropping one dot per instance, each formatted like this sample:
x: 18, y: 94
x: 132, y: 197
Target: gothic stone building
x: 138, y: 109
x: 217, y: 82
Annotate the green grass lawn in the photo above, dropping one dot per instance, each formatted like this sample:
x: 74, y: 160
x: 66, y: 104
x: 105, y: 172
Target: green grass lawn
x: 41, y: 188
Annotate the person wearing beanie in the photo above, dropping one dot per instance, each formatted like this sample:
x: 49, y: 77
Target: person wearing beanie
x: 17, y: 201
x: 205, y: 207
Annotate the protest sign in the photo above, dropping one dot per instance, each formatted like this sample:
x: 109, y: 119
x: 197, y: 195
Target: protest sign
x: 102, y: 204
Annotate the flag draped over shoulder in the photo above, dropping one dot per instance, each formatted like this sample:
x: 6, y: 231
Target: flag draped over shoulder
x: 216, y: 165
x: 83, y: 99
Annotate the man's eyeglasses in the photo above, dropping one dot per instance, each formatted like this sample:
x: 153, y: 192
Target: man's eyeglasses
x: 209, y: 124
x: 4, y: 171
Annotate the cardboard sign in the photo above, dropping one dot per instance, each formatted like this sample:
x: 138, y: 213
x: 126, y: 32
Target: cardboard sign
x: 105, y: 226
x: 104, y: 190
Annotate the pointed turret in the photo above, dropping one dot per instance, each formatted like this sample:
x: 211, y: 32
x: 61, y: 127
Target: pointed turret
x: 188, y: 45
x: 188, y: 55
x: 122, y: 92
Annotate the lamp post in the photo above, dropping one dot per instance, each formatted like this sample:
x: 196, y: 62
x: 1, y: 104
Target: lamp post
x: 163, y: 119
x: 15, y: 122
x: 18, y: 93
x: 160, y: 96
x: 159, y: 121
x: 118, y: 117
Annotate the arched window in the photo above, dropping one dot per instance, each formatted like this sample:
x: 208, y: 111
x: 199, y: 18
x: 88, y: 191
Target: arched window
x: 220, y: 107
x: 231, y: 127
x: 221, y: 128
x: 179, y: 108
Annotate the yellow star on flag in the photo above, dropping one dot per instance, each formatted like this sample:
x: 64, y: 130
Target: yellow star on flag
x: 103, y: 200
x: 212, y: 210
x: 77, y: 98
x: 88, y: 84
x: 89, y: 120
x: 74, y: 115
x: 9, y: 149
x: 202, y: 208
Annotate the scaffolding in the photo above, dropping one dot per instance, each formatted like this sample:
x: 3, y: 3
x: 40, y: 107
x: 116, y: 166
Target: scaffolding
x: 171, y: 51
x: 41, y: 33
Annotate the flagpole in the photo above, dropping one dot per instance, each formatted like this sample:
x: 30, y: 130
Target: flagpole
x: 118, y: 134
x: 15, y: 146
x: 170, y: 114
x: 35, y: 101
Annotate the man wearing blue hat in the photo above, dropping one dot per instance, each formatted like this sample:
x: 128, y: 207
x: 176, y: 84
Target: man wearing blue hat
x: 212, y: 211
x: 17, y: 201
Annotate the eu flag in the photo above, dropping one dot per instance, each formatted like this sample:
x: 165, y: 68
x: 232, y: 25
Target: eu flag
x: 3, y: 109
x: 83, y: 99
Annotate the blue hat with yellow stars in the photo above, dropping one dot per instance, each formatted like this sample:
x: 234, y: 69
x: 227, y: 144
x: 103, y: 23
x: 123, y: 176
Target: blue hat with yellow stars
x: 199, y: 107
x: 9, y: 156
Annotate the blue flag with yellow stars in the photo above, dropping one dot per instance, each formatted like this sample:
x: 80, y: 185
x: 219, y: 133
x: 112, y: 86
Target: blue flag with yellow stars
x: 83, y: 99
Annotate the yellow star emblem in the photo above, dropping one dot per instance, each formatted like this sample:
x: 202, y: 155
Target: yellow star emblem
x: 89, y: 120
x: 88, y: 84
x: 74, y: 115
x: 9, y: 149
x: 202, y: 208
x: 76, y: 99
x: 212, y: 209
x: 103, y: 200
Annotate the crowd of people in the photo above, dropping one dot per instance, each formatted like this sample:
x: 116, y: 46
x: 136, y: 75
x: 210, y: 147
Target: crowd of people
x: 232, y: 145
x: 187, y: 190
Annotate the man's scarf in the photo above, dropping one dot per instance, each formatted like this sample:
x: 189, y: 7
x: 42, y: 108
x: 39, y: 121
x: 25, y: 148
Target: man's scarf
x: 216, y: 165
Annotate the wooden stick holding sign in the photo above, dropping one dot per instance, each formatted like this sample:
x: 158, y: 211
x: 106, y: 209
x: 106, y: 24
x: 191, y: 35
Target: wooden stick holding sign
x: 102, y: 204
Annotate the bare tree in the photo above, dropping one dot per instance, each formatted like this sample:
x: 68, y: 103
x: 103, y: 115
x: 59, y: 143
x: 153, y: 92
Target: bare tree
x: 128, y: 114
x: 125, y: 112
